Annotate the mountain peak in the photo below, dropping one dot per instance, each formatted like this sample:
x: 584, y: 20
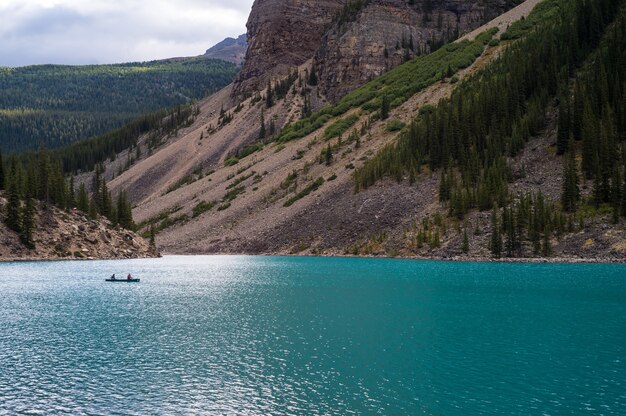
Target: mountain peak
x: 230, y: 49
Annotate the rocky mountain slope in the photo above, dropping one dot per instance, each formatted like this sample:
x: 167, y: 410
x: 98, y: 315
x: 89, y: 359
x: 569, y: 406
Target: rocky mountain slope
x: 61, y: 235
x: 230, y: 50
x: 381, y: 35
x: 216, y: 188
x: 352, y: 41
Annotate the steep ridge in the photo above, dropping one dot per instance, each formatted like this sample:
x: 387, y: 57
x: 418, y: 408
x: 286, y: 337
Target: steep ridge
x: 352, y: 41
x: 54, y: 105
x: 282, y: 34
x: 230, y: 50
x: 368, y: 41
x: 241, y: 208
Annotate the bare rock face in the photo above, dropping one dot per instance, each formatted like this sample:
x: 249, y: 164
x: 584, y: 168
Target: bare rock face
x: 230, y: 49
x: 386, y: 33
x: 351, y: 45
x: 282, y: 34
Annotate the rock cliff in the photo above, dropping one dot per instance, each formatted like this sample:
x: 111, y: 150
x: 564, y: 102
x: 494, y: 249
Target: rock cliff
x: 382, y: 34
x: 352, y: 41
x: 282, y: 34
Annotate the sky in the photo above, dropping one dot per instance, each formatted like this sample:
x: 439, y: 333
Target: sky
x: 78, y: 32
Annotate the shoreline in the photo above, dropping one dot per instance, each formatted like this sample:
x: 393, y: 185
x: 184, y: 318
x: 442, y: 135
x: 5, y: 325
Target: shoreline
x: 86, y: 259
x: 456, y: 259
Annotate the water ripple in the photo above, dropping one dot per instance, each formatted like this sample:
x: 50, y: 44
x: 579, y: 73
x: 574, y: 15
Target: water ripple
x: 277, y: 336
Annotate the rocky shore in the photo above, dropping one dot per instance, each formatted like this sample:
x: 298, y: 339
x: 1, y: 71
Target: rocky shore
x: 61, y: 235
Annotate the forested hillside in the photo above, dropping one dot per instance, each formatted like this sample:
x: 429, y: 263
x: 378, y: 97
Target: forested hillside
x: 508, y: 142
x: 572, y: 55
x: 51, y: 106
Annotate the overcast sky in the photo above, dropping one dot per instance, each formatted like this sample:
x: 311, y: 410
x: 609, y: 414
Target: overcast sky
x: 112, y: 31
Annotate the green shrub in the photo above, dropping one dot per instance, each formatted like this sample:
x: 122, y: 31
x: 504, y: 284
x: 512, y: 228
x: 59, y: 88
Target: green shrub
x: 339, y: 127
x: 202, y: 207
x: 240, y: 180
x: 395, y: 125
x: 233, y: 194
x: 312, y: 187
x: 231, y: 161
x: 400, y: 83
x: 248, y: 150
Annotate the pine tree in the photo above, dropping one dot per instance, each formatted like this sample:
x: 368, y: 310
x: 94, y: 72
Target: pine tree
x: 312, y: 81
x: 384, y: 108
x: 262, y: 130
x: 13, y: 219
x: 624, y: 195
x: 563, y: 133
x: 45, y: 176
x: 465, y: 247
x: 511, y: 229
x: 96, y: 187
x: 329, y: 155
x: 152, y: 237
x: 571, y: 191
x: 124, y: 212
x: 82, y: 202
x: 590, y: 140
x: 92, y: 211
x: 272, y: 127
x: 495, y: 244
x: 28, y: 223
x: 106, y: 201
x: 71, y: 197
x: 546, y: 246
x: 2, y: 176
x: 269, y: 98
x: 616, y: 194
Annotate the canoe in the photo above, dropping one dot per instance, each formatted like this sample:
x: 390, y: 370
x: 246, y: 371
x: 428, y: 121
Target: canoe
x: 135, y: 280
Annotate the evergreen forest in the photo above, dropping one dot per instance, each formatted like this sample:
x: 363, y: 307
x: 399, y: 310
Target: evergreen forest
x: 569, y: 56
x: 51, y: 106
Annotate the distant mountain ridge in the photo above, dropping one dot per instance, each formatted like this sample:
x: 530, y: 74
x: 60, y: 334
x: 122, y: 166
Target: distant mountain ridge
x: 230, y: 50
x: 56, y: 105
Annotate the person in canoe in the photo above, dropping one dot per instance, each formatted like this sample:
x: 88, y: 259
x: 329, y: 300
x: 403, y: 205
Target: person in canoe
x: 129, y: 276
x: 113, y: 276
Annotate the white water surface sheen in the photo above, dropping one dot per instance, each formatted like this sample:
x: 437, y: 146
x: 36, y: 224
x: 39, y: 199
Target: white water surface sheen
x: 237, y: 335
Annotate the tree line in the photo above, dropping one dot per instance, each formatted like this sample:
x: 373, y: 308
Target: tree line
x: 40, y: 180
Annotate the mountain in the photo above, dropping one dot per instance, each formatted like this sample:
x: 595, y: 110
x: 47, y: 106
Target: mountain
x: 54, y: 105
x: 230, y: 50
x: 351, y: 42
x: 507, y: 142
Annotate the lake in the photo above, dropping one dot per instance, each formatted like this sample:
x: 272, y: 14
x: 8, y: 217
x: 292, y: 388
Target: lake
x: 312, y: 336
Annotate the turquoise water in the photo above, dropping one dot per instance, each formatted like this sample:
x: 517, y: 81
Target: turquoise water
x: 309, y: 336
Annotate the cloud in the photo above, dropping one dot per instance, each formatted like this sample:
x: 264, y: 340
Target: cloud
x: 110, y: 31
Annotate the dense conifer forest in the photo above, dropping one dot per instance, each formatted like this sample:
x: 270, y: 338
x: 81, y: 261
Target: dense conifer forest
x: 40, y: 179
x: 51, y: 106
x: 571, y: 54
